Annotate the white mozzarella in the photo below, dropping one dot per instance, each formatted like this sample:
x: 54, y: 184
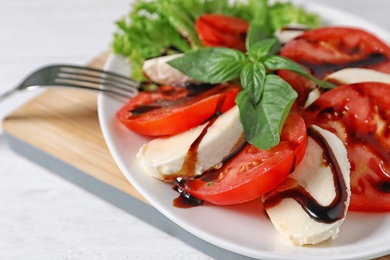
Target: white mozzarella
x: 355, y: 75
x: 165, y: 157
x: 288, y: 217
x: 159, y: 71
x: 289, y: 32
x: 313, y: 95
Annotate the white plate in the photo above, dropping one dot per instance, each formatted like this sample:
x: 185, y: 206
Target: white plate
x: 243, y: 229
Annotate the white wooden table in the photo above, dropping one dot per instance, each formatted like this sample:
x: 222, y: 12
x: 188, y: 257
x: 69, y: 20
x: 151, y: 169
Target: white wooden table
x: 41, y: 215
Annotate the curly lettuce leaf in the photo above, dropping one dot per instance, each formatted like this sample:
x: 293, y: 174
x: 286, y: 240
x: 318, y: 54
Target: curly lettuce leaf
x: 282, y: 14
x: 144, y: 34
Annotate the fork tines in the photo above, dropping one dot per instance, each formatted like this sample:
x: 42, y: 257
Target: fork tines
x: 90, y: 78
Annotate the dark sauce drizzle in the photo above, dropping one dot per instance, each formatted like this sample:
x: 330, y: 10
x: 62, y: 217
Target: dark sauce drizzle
x: 293, y: 28
x: 325, y: 214
x: 320, y: 70
x: 384, y: 187
x: 191, y: 158
x: 185, y: 199
x: 381, y: 152
x: 192, y: 88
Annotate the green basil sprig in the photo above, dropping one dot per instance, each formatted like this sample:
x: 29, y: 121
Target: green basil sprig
x: 265, y: 100
x: 211, y: 65
x: 263, y: 122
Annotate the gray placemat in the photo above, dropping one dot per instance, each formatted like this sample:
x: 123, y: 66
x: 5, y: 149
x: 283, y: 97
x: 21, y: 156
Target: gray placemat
x: 117, y: 198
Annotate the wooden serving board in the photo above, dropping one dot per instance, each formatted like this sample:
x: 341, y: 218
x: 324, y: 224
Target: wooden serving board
x: 60, y: 117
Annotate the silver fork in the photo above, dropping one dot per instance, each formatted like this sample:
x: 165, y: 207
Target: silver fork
x: 71, y: 76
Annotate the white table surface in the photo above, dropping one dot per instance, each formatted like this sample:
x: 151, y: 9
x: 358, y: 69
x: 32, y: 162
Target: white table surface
x: 41, y: 215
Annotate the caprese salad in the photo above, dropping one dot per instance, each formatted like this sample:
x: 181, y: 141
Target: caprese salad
x: 242, y: 106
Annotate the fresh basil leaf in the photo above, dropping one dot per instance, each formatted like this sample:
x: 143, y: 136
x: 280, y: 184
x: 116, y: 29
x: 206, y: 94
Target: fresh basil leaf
x: 252, y: 80
x: 211, y: 65
x: 263, y: 123
x: 257, y: 31
x: 279, y: 62
x: 275, y: 48
x: 263, y: 48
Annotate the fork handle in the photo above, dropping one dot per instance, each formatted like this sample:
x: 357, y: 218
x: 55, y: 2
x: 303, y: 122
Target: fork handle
x: 8, y: 94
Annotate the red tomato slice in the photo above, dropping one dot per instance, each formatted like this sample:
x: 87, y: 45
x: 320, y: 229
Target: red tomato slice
x: 171, y: 110
x: 252, y: 171
x: 360, y: 115
x: 328, y: 49
x: 222, y: 30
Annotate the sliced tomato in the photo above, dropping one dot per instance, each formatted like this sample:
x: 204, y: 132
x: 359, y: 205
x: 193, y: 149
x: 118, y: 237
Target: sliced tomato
x: 360, y: 115
x: 252, y: 171
x: 171, y: 110
x: 328, y: 49
x: 222, y: 30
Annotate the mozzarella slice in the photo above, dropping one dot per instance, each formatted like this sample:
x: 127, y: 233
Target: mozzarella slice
x: 169, y: 157
x: 289, y: 32
x: 312, y: 178
x: 355, y: 75
x: 159, y: 71
x: 313, y: 96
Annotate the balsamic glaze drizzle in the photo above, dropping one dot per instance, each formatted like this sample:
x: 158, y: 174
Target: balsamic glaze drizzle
x: 185, y: 199
x: 326, y: 214
x: 193, y: 89
x: 320, y: 70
